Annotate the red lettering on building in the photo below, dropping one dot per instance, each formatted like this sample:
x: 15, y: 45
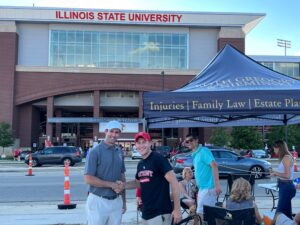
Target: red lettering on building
x: 119, y: 16
x: 74, y: 15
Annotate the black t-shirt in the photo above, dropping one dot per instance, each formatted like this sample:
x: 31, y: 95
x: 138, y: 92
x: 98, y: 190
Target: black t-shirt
x: 155, y: 188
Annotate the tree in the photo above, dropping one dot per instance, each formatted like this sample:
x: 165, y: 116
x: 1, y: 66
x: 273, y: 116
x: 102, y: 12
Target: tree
x: 278, y: 133
x: 6, y: 138
x: 219, y: 136
x: 246, y: 138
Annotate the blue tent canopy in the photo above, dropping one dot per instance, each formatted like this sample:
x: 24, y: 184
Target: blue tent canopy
x: 233, y: 90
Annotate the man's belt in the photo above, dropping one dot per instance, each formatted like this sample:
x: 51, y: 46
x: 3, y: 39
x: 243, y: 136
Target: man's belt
x: 110, y: 197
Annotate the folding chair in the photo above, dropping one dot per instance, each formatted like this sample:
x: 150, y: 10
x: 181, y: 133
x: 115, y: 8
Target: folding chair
x: 190, y: 220
x: 184, y: 208
x: 234, y: 176
x: 214, y: 215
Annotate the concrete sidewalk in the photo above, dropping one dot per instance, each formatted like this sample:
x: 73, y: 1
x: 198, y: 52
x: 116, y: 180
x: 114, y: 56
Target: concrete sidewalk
x: 40, y: 213
x: 46, y: 213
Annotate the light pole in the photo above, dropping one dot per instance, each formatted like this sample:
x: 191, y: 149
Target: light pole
x: 162, y: 88
x: 284, y: 43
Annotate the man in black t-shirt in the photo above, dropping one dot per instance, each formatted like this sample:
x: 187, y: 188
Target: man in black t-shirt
x: 154, y: 175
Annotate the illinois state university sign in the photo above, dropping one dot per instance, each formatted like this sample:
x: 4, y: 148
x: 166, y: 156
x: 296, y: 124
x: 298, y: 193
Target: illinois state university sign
x: 119, y: 16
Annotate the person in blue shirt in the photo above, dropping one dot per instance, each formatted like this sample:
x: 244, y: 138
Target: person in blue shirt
x: 206, y: 173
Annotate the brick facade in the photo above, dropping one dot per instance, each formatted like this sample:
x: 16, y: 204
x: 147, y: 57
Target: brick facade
x: 8, y: 59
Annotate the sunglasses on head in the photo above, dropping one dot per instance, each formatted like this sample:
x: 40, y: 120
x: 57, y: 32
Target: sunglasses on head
x: 189, y: 140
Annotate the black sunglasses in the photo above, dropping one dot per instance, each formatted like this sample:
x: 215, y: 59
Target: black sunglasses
x: 189, y: 140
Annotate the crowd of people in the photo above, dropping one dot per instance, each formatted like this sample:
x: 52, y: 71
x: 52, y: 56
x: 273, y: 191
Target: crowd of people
x: 159, y: 192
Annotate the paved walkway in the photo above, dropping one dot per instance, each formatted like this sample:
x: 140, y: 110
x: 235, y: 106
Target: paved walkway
x: 42, y: 213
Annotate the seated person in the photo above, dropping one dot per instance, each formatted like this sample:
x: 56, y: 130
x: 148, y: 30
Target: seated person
x: 188, y: 189
x: 240, y: 198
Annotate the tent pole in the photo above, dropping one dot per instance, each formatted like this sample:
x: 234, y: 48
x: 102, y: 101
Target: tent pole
x: 286, y: 128
x: 286, y: 133
x: 163, y: 89
x: 145, y: 127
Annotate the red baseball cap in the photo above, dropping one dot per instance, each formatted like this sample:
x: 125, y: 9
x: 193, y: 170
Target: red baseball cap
x: 144, y: 135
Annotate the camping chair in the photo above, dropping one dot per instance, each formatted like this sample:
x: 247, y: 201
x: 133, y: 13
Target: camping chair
x: 190, y: 220
x: 184, y: 208
x: 214, y: 215
x: 234, y: 176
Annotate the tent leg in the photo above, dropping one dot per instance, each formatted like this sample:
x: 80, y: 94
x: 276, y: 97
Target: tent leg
x: 286, y: 128
x: 286, y: 133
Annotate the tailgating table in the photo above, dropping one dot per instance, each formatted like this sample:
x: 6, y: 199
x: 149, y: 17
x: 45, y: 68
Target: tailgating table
x: 272, y: 189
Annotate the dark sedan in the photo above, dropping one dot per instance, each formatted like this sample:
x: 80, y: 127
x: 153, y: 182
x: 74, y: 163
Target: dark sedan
x: 228, y: 163
x: 55, y: 155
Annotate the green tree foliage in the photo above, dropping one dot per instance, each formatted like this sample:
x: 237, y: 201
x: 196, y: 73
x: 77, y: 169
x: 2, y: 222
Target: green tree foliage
x: 6, y: 138
x: 278, y: 133
x: 220, y: 137
x: 246, y: 138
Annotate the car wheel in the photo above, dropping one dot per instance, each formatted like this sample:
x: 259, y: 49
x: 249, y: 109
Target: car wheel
x: 35, y: 163
x: 69, y: 161
x: 257, y: 171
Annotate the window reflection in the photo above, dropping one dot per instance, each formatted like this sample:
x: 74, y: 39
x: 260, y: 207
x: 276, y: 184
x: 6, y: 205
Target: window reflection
x: 118, y: 50
x: 287, y: 68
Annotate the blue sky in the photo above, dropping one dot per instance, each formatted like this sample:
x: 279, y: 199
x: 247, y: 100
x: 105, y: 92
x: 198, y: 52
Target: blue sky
x: 282, y: 19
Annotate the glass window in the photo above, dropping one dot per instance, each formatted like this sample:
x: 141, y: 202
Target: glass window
x: 71, y: 49
x: 87, y: 37
x: 289, y: 69
x: 71, y: 37
x: 54, y: 36
x: 62, y: 37
x: 48, y: 151
x: 79, y: 36
x: 227, y: 155
x: 119, y: 50
x: 167, y: 40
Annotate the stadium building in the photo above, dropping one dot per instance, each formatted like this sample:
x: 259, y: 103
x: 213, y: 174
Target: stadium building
x: 66, y: 72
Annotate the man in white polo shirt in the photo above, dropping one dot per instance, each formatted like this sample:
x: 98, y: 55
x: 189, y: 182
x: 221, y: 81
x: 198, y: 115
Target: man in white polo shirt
x: 105, y: 174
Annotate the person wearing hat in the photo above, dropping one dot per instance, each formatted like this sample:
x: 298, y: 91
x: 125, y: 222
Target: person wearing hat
x: 206, y: 173
x: 154, y: 176
x: 105, y: 175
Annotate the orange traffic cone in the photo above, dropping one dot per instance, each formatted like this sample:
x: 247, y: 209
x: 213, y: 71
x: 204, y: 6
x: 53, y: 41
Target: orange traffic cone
x: 30, y: 166
x: 67, y: 203
x: 295, y: 164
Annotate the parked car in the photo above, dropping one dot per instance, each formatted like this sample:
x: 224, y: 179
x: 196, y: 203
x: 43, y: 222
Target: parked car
x: 228, y: 162
x: 136, y: 155
x: 55, y: 155
x: 23, y: 154
x: 164, y: 150
x: 178, y: 150
x: 258, y: 153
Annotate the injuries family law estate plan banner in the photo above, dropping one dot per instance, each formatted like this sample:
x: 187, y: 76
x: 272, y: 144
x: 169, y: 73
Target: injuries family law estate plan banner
x: 211, y: 103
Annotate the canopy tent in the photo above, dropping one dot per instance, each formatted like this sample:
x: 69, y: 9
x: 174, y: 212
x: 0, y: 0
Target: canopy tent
x: 233, y: 90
